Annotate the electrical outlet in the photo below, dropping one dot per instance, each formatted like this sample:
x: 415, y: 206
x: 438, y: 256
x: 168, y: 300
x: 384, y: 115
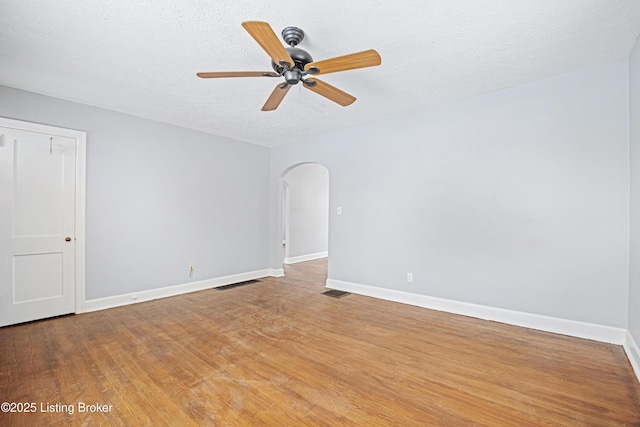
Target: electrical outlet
x: 192, y: 266
x: 410, y: 277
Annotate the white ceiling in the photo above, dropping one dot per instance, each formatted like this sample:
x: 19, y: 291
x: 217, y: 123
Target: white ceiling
x: 140, y: 57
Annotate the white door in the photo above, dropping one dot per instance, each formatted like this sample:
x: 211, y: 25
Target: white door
x: 37, y: 223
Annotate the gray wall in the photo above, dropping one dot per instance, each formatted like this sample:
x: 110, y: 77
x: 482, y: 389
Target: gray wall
x: 159, y: 197
x: 634, y: 113
x: 516, y: 199
x: 308, y: 209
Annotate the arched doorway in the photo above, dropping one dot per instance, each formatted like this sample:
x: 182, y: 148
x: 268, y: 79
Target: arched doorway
x: 305, y: 213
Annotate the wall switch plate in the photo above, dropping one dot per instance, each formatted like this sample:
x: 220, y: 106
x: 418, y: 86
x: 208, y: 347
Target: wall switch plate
x: 410, y: 277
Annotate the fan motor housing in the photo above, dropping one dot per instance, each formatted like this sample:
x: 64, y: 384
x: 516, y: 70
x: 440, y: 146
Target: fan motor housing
x: 300, y: 58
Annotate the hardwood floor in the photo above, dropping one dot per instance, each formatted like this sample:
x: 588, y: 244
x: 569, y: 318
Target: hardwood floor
x: 280, y: 353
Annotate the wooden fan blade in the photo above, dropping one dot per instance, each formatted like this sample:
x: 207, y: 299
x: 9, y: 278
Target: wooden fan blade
x: 367, y: 58
x: 275, y: 98
x: 330, y: 92
x: 267, y: 39
x: 216, y: 75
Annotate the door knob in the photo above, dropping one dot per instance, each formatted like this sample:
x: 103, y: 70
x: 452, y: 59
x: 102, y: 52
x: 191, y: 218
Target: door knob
x: 68, y: 239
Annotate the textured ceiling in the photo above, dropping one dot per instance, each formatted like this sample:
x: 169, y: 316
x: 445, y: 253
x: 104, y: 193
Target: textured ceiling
x: 140, y: 57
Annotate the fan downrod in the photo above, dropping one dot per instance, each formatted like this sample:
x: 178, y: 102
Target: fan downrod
x: 293, y: 73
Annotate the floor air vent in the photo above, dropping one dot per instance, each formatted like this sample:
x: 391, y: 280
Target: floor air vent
x: 336, y: 293
x: 237, y: 285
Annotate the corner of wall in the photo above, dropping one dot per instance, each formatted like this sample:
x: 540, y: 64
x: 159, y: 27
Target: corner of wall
x: 634, y: 201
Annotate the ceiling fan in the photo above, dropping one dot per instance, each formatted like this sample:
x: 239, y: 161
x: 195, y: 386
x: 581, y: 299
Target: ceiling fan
x: 295, y: 64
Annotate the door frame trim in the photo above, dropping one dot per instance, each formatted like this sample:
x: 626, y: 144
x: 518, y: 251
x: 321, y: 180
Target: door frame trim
x: 80, y: 195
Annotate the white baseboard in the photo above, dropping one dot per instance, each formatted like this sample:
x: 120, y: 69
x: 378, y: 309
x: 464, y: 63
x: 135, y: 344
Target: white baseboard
x: 607, y: 334
x: 169, y: 291
x: 303, y: 258
x: 276, y: 272
x: 633, y: 353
